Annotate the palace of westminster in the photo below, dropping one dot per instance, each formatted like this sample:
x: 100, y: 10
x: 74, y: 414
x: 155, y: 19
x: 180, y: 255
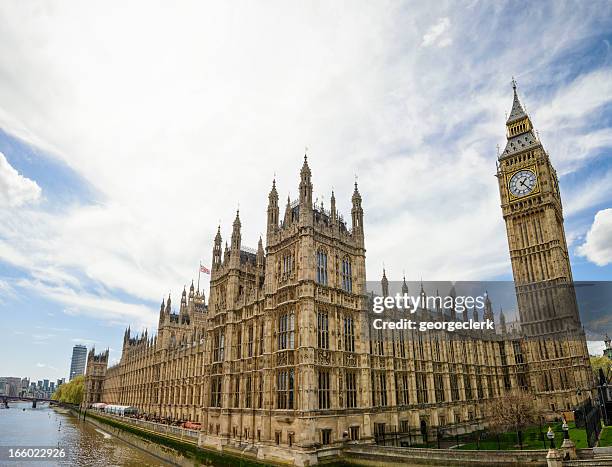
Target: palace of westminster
x: 283, y: 359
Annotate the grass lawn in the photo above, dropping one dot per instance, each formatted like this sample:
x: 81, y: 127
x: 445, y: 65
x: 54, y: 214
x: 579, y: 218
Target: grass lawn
x: 531, y: 439
x: 605, y: 439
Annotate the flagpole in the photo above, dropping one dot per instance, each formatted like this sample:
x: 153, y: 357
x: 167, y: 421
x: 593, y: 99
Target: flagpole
x: 199, y: 272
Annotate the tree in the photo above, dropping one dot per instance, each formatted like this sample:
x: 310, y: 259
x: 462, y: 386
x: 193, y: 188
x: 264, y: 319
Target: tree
x: 72, y: 392
x: 602, y: 362
x: 515, y: 410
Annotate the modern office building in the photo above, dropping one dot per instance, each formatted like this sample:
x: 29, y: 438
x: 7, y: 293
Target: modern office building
x: 79, y: 357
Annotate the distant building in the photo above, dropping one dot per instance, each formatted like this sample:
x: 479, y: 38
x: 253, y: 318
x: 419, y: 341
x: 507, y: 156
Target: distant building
x: 10, y: 386
x: 608, y: 350
x: 79, y: 357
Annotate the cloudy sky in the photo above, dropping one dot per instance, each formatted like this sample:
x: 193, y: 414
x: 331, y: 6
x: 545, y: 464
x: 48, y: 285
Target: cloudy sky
x: 128, y: 131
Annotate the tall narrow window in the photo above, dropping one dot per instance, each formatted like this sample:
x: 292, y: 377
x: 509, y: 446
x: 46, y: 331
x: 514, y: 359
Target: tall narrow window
x: 215, y: 391
x: 239, y: 344
x: 285, y: 386
x: 349, y: 334
x: 422, y: 396
x: 322, y: 330
x: 261, y: 339
x: 286, y: 331
x: 219, y: 347
x: 248, y: 389
x: 250, y: 341
x: 403, y: 389
x: 237, y: 391
x: 347, y: 275
x: 323, y: 389
x: 351, y: 389
x: 321, y: 267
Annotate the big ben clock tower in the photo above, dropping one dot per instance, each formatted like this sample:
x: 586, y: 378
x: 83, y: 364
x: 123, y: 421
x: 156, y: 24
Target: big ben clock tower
x: 533, y: 212
x: 532, y: 209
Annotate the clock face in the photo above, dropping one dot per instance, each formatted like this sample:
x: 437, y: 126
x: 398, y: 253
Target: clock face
x: 522, y: 183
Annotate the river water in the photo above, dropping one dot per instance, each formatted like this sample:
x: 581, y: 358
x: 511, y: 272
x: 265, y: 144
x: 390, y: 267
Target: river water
x: 83, y: 443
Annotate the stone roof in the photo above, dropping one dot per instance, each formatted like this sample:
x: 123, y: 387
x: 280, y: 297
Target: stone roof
x: 517, y: 111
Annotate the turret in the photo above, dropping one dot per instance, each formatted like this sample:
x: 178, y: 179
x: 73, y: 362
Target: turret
x: 184, y: 299
x: 260, y: 254
x: 287, y: 219
x: 385, y: 284
x: 162, y: 310
x: 475, y: 313
x: 236, y: 242
x: 488, y: 310
x: 357, y: 213
x: 168, y: 305
x: 216, y: 262
x: 273, y: 210
x: 191, y: 290
x: 236, y: 238
x: 502, y: 321
x: 453, y: 312
x: 334, y: 214
x: 404, y: 287
x: 305, y: 194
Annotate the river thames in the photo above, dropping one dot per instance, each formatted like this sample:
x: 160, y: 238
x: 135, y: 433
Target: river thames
x: 83, y: 443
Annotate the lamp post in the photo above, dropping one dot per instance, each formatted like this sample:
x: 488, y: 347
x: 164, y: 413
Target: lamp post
x: 565, y: 429
x: 551, y: 436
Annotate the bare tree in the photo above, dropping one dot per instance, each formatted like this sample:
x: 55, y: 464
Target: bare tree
x: 515, y: 410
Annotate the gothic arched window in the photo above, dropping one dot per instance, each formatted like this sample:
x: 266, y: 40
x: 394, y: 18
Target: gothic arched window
x: 286, y: 331
x: 322, y: 267
x: 347, y: 275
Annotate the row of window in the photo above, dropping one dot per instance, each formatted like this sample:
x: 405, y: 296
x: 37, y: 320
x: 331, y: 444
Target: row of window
x: 346, y: 271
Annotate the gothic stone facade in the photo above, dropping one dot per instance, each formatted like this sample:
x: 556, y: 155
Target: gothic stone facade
x: 95, y: 373
x: 284, y: 359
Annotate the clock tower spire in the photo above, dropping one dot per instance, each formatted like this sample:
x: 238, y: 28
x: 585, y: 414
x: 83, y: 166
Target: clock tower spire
x: 533, y: 213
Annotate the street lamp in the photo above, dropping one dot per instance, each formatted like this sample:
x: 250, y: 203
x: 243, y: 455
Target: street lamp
x: 565, y: 429
x: 551, y: 436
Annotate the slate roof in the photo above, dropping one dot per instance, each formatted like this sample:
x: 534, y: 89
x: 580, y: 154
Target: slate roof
x: 517, y: 111
x: 519, y: 143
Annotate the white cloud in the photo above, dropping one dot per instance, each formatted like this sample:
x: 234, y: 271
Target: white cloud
x: 15, y: 189
x: 597, y: 247
x: 174, y: 125
x: 435, y: 34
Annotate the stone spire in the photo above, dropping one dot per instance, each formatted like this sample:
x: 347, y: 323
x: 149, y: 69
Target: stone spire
x: 168, y: 305
x: 385, y: 284
x: 184, y: 298
x: 305, y: 185
x: 502, y: 321
x: 236, y: 233
x: 272, y: 209
x: 404, y: 286
x: 217, y: 250
x: 488, y: 309
x: 260, y: 254
x: 287, y: 220
x: 517, y: 112
x: 333, y: 207
x: 519, y: 129
x: 357, y: 212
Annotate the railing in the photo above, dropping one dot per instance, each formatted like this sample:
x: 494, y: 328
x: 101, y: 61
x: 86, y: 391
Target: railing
x: 160, y: 428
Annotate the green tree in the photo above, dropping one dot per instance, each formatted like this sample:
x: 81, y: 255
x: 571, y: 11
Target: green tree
x: 72, y: 392
x: 602, y: 362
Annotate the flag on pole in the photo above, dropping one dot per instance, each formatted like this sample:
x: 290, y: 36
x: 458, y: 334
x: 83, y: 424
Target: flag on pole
x: 204, y: 269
